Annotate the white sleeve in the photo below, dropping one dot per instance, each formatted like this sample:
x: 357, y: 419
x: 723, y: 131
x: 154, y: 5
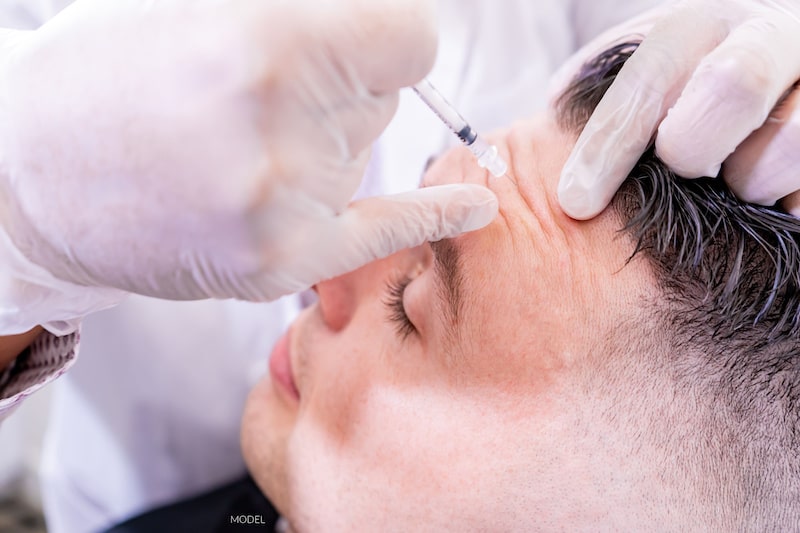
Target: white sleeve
x: 44, y: 360
x: 29, y: 14
x: 591, y: 17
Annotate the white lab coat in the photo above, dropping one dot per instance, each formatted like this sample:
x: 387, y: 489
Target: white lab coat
x: 150, y: 412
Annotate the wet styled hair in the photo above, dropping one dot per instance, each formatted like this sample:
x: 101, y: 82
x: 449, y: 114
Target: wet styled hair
x: 729, y: 274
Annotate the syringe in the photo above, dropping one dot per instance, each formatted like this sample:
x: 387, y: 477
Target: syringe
x: 485, y: 153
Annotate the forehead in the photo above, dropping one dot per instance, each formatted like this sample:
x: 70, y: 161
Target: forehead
x: 495, y: 262
x: 535, y: 148
x: 533, y: 269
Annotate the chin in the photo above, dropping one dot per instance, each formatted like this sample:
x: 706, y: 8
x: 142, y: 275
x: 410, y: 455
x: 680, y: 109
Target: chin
x: 264, y: 437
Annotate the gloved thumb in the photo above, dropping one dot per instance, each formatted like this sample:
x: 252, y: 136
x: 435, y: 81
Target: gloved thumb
x: 374, y: 228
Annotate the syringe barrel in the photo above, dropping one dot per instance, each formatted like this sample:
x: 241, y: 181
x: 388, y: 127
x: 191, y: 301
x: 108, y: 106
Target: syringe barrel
x: 485, y: 153
x: 445, y: 111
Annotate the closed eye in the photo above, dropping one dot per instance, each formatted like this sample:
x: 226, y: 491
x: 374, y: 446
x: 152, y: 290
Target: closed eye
x: 397, y: 312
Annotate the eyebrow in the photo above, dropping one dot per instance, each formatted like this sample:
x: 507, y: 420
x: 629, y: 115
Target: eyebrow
x: 447, y: 270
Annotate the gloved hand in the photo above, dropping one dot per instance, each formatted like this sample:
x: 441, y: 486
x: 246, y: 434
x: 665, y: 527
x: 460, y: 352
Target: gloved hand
x: 705, y: 79
x: 198, y: 148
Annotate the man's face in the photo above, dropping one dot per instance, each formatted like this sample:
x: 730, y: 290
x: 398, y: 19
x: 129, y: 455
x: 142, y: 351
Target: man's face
x: 476, y: 413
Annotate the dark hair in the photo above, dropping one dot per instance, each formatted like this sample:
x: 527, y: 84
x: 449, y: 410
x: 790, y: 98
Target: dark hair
x: 729, y: 274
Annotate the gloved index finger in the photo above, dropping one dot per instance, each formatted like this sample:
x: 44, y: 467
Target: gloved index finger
x: 624, y: 122
x: 376, y: 227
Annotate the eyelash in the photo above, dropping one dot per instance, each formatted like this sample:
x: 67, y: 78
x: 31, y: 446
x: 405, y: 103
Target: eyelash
x: 397, y: 312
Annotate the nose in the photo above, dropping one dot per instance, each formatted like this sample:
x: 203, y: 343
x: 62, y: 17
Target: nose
x: 337, y: 300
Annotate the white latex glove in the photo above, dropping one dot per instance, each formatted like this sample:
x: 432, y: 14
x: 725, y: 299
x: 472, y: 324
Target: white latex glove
x: 703, y: 81
x: 189, y: 149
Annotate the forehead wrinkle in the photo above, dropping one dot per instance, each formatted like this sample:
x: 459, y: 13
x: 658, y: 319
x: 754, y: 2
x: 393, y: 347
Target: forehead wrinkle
x: 534, y: 191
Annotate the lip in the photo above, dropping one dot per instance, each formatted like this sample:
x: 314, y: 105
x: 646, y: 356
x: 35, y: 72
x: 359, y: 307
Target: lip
x: 280, y: 366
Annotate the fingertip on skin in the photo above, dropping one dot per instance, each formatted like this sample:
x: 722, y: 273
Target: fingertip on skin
x: 575, y: 193
x: 578, y: 200
x: 466, y: 207
x: 433, y: 213
x: 483, y: 211
x: 613, y: 139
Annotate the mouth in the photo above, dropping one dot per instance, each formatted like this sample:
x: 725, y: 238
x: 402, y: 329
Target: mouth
x: 280, y: 367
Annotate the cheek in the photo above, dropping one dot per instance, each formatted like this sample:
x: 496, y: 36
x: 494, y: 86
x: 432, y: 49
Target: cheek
x: 340, y: 383
x: 410, y: 455
x: 522, y: 321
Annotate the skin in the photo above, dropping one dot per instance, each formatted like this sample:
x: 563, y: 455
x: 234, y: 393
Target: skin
x: 496, y: 426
